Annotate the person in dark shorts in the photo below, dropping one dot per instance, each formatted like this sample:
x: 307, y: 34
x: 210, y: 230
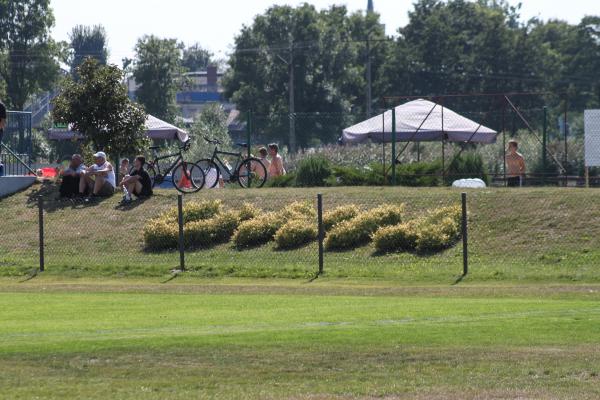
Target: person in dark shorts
x: 69, y: 187
x: 515, y: 165
x: 3, y: 117
x: 98, y: 179
x: 138, y: 182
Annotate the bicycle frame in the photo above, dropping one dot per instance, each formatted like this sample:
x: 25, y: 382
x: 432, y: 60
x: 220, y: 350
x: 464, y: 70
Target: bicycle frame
x: 215, y: 158
x: 157, y: 158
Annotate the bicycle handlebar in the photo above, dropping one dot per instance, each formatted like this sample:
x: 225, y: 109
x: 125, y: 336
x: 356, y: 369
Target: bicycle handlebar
x: 212, y: 141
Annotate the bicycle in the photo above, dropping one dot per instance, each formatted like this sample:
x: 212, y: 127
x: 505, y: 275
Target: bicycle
x: 249, y: 172
x: 187, y: 177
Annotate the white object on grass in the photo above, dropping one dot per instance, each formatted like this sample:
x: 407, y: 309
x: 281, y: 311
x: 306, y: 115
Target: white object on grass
x: 472, y: 183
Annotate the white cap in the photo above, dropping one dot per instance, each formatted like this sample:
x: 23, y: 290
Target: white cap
x: 100, y: 154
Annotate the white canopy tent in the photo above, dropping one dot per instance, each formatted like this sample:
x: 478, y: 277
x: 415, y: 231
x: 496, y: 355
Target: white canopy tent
x: 155, y: 129
x: 420, y: 121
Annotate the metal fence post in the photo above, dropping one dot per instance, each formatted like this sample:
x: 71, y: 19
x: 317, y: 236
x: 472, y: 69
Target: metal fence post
x: 321, y: 230
x: 464, y: 235
x: 394, y: 146
x: 41, y: 231
x: 181, y: 239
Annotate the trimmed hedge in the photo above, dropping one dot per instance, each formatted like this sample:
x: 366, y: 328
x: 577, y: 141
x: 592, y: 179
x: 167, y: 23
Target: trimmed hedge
x: 296, y: 233
x: 397, y: 237
x: 161, y: 234
x: 194, y: 211
x: 257, y: 231
x: 339, y: 214
x: 357, y: 231
x: 211, y: 231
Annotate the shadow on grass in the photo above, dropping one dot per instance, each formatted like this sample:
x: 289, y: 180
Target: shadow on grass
x: 131, y: 205
x: 53, y: 202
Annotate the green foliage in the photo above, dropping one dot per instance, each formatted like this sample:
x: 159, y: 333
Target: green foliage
x: 287, y: 180
x: 313, y: 171
x: 357, y: 231
x: 434, y: 231
x: 401, y: 237
x: 257, y: 231
x: 211, y: 122
x: 28, y: 56
x: 157, y: 71
x: 160, y: 234
x: 419, y: 174
x: 295, y: 233
x: 97, y: 105
x: 87, y: 42
x: 208, y: 232
x: 196, y: 58
x: 468, y: 165
x: 339, y: 214
x: 194, y: 211
x: 248, y: 211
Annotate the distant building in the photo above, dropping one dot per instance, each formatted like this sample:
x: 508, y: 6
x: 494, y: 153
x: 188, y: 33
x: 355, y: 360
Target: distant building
x: 370, y: 7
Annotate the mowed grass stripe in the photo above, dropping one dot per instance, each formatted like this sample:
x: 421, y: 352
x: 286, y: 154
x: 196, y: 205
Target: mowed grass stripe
x: 62, y: 322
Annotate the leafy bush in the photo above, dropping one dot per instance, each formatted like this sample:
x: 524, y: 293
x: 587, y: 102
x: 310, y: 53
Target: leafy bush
x: 468, y: 165
x: 434, y: 237
x: 419, y: 173
x: 402, y: 237
x: 248, y: 211
x: 339, y: 214
x: 299, y: 210
x: 218, y: 229
x: 295, y: 233
x: 437, y: 215
x: 287, y: 180
x: 313, y: 171
x: 194, y: 211
x: 371, y: 175
x: 357, y: 231
x: 257, y: 231
x: 160, y: 235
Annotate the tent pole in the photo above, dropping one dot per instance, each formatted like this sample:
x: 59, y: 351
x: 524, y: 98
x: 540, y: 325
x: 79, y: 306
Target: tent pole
x: 394, y: 146
x: 443, y: 147
x: 504, y: 140
x: 383, y: 147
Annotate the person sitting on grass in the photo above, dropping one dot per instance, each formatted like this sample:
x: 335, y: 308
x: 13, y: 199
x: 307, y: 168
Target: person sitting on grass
x: 276, y: 167
x: 262, y: 156
x: 99, y: 179
x: 124, y: 168
x: 69, y: 187
x: 138, y: 183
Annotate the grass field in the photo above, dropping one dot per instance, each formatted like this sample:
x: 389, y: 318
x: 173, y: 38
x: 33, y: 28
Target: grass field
x: 99, y: 339
x: 106, y: 319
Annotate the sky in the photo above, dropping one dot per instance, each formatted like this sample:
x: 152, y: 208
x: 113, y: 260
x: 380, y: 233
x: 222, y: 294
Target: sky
x: 214, y: 24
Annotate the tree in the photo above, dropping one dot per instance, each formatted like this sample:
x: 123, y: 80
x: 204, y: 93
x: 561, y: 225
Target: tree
x: 195, y: 58
x: 97, y: 106
x: 157, y: 71
x: 88, y: 41
x: 323, y: 51
x: 211, y: 122
x: 30, y: 64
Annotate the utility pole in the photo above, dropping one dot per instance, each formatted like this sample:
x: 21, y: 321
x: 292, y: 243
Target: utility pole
x: 292, y: 116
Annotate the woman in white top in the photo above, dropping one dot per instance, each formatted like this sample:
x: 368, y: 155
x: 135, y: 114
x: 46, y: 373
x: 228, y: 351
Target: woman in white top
x: 98, y: 178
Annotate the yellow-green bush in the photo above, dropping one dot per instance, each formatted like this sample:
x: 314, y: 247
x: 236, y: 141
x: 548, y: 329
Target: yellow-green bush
x: 397, y: 237
x: 248, y: 211
x: 298, y: 210
x: 194, y: 211
x: 438, y: 236
x: 438, y: 214
x: 161, y: 235
x: 207, y: 232
x: 357, y: 231
x: 296, y: 233
x: 339, y: 214
x: 258, y: 231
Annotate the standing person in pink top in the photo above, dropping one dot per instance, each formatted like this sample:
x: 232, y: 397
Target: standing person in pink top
x: 276, y: 168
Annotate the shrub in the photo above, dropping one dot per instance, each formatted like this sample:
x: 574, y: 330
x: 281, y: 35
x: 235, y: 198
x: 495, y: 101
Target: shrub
x: 218, y: 229
x: 160, y: 235
x: 339, y: 214
x: 313, y: 171
x: 452, y: 212
x: 397, y: 237
x: 438, y: 236
x: 468, y: 165
x: 194, y: 211
x: 295, y: 233
x: 357, y: 231
x: 287, y: 180
x: 257, y: 231
x: 248, y: 211
x: 419, y: 173
x: 299, y: 210
x: 372, y: 175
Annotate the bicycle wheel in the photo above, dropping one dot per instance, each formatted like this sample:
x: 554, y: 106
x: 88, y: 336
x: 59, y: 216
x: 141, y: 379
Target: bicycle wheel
x: 188, y: 177
x: 252, y: 173
x: 211, y: 172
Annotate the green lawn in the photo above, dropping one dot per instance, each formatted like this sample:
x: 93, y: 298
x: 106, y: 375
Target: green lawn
x: 98, y: 339
x: 529, y: 235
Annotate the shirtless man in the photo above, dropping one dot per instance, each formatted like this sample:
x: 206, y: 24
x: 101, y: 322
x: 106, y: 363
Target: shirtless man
x: 276, y: 168
x: 515, y: 165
